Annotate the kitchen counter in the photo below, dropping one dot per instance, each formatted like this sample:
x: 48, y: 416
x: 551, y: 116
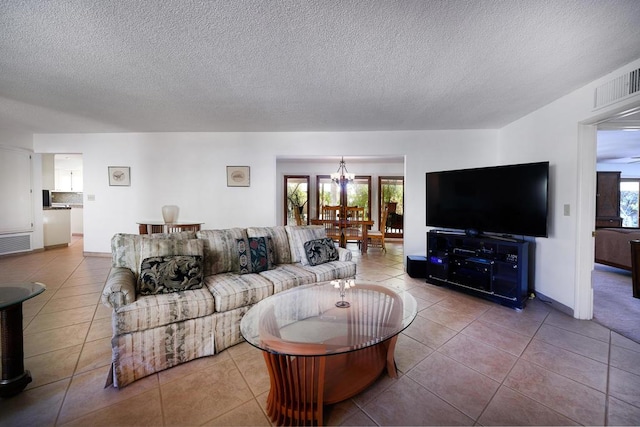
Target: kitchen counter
x: 51, y: 208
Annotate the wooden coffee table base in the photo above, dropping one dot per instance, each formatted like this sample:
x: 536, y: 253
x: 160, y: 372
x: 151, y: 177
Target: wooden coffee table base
x: 302, y: 385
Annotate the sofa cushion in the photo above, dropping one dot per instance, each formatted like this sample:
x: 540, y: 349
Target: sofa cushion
x: 287, y: 276
x: 170, y: 273
x: 300, y: 234
x: 232, y: 290
x: 156, y: 247
x: 255, y: 254
x: 279, y: 238
x: 151, y: 311
x: 125, y: 248
x: 319, y: 251
x: 221, y: 250
x: 332, y: 270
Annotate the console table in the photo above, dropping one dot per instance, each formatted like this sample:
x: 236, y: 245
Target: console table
x: 14, y: 378
x: 150, y: 227
x: 325, y: 342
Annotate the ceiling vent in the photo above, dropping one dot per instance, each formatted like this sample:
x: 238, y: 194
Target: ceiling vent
x: 617, y: 89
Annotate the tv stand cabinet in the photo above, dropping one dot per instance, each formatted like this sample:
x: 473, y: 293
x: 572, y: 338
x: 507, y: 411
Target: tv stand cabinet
x: 493, y: 268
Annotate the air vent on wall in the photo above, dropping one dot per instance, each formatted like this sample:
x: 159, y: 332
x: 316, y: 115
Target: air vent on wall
x: 617, y: 89
x: 12, y: 244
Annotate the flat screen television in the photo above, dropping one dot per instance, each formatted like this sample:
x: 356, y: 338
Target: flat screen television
x: 507, y: 200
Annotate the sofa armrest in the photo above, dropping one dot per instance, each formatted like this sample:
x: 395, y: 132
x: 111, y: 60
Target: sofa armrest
x: 120, y: 288
x: 344, y: 254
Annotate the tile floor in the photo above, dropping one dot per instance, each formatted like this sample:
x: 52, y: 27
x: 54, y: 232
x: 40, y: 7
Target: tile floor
x: 463, y: 361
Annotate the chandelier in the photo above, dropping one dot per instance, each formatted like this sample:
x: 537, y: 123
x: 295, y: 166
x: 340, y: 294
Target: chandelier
x: 342, y: 175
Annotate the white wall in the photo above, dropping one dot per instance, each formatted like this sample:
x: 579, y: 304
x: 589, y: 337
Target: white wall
x: 189, y: 170
x: 552, y: 133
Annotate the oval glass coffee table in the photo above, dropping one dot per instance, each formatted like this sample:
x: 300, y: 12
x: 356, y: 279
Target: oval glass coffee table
x: 14, y: 378
x: 326, y: 342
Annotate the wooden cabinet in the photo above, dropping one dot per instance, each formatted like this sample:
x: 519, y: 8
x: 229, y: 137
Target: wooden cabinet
x: 608, y: 200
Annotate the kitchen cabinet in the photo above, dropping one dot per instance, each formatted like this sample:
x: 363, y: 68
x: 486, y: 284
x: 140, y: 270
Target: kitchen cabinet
x: 68, y: 180
x: 56, y: 226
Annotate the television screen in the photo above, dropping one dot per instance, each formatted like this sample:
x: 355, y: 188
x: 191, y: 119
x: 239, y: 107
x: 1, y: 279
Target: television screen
x: 511, y: 200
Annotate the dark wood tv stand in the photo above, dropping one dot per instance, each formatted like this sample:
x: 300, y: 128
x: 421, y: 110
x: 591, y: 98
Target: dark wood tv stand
x: 493, y: 268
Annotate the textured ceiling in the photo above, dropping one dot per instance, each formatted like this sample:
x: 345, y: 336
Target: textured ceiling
x: 103, y: 65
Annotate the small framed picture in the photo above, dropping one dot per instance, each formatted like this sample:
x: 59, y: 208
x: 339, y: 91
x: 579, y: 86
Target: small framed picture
x: 238, y: 176
x: 120, y: 176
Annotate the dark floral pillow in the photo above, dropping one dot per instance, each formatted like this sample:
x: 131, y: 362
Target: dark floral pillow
x: 255, y: 254
x: 319, y: 251
x: 170, y: 273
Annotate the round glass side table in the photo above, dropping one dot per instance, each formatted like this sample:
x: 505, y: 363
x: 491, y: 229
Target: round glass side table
x: 14, y: 377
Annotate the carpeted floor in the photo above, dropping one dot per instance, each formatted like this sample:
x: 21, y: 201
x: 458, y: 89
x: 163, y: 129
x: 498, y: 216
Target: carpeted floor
x: 613, y: 302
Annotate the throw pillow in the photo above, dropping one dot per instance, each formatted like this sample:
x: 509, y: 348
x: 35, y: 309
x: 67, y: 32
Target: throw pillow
x: 153, y: 247
x: 170, y: 273
x: 300, y: 234
x: 256, y: 254
x: 319, y: 251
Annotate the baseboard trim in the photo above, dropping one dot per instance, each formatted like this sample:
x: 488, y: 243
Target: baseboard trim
x: 97, y: 254
x: 554, y: 304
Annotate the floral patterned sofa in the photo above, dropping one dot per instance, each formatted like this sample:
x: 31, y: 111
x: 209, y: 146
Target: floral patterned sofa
x: 177, y: 297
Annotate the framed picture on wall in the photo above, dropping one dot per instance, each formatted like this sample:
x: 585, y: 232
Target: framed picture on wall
x: 238, y: 176
x: 119, y: 176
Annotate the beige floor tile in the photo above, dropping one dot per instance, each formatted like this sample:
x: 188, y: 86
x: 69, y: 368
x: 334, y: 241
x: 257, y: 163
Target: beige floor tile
x: 627, y: 360
x: 253, y: 368
x: 570, y: 398
x: 69, y: 303
x: 87, y: 393
x: 465, y: 304
x: 192, y: 367
x: 247, y: 414
x: 358, y: 418
x: 486, y: 359
x: 406, y: 403
x: 572, y: 365
x: 35, y: 407
x: 577, y: 343
x: 142, y: 410
x: 55, y: 339
x: 94, y: 354
x: 582, y: 327
x: 71, y: 291
x: 48, y: 321
x: 510, y: 408
x: 624, y: 386
x: 203, y: 396
x: 620, y: 413
x: 430, y: 293
x: 452, y: 319
x: 103, y: 312
x: 53, y: 366
x: 339, y: 413
x: 428, y: 332
x: 378, y: 388
x: 100, y: 328
x: 502, y: 338
x: 518, y: 321
x: 409, y: 353
x: 450, y: 381
x: 624, y: 342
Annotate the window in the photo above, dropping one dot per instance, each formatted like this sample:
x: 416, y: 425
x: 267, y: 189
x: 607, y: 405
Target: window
x: 629, y: 191
x: 358, y: 193
x: 392, y: 195
x: 296, y: 208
